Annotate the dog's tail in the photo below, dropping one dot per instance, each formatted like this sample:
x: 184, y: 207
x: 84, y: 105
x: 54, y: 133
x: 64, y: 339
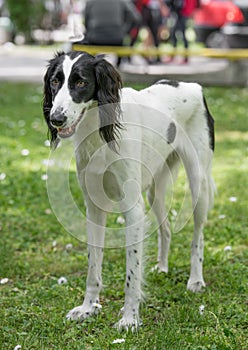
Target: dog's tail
x: 210, y: 180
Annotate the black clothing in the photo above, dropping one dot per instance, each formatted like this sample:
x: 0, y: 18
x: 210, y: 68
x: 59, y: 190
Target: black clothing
x: 108, y: 21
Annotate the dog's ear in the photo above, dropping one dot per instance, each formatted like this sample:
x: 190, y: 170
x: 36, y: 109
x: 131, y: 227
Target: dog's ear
x: 108, y: 83
x: 47, y: 100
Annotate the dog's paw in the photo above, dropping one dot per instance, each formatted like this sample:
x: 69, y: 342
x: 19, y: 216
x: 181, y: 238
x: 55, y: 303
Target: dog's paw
x: 128, y: 323
x: 81, y: 312
x: 195, y: 286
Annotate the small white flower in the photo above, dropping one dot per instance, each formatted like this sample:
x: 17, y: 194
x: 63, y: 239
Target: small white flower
x: 35, y: 125
x: 68, y: 246
x: 154, y: 268
x: 62, y: 280
x: 118, y: 341
x: 233, y: 199
x: 54, y: 244
x: 25, y: 152
x: 173, y: 212
x: 47, y: 143
x: 44, y: 177
x: 4, y: 280
x: 2, y: 176
x: 17, y: 347
x: 222, y: 216
x: 227, y: 248
x: 98, y: 306
x: 201, y: 309
x: 21, y: 123
x: 120, y: 220
x: 34, y: 99
x: 22, y: 132
x: 48, y: 211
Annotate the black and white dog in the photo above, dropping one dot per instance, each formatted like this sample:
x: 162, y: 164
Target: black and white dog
x: 140, y: 138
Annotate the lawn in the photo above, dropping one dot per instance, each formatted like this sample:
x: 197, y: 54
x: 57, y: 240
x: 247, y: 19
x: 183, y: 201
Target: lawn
x: 36, y: 251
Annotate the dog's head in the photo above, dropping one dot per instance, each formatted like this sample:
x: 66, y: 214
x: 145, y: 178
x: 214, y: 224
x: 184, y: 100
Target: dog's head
x: 72, y: 81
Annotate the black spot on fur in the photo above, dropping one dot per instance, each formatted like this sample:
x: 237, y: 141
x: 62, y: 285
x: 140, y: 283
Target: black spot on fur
x: 173, y: 83
x: 135, y: 251
x: 171, y: 132
x: 127, y: 284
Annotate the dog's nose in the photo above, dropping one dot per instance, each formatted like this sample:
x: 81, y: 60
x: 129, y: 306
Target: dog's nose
x: 57, y: 118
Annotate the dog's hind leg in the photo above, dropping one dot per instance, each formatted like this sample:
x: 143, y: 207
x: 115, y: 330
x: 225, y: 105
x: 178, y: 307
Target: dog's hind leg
x: 199, y: 180
x: 96, y: 220
x: 164, y: 234
x: 156, y: 197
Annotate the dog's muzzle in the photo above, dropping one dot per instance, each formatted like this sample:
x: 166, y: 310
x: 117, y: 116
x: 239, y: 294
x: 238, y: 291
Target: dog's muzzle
x: 57, y: 119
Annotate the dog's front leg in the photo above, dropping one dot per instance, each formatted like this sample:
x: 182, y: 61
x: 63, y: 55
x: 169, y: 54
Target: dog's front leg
x: 134, y: 248
x: 96, y: 220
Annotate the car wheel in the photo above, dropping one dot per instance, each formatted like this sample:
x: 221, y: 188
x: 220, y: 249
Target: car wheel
x: 217, y: 40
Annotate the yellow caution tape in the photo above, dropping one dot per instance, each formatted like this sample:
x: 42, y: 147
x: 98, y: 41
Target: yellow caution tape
x: 230, y: 54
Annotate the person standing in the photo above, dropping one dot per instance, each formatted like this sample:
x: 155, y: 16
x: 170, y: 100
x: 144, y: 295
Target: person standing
x: 152, y: 12
x: 181, y: 10
x: 107, y: 22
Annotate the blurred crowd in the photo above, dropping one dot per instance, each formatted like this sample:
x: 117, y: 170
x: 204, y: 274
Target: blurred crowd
x: 143, y: 23
x: 119, y: 22
x: 105, y: 22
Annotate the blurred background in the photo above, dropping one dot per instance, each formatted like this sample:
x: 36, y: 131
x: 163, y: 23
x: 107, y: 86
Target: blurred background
x: 215, y: 23
x: 31, y: 30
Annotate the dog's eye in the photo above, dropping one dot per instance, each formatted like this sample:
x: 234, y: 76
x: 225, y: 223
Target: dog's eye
x: 55, y: 82
x: 80, y: 83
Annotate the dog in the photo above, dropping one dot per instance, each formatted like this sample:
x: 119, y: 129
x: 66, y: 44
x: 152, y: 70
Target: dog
x: 127, y: 142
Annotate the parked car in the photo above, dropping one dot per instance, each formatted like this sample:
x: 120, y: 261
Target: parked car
x: 236, y: 34
x: 222, y: 24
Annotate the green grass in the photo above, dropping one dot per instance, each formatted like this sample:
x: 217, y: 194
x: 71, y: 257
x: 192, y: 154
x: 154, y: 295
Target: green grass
x: 33, y: 305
